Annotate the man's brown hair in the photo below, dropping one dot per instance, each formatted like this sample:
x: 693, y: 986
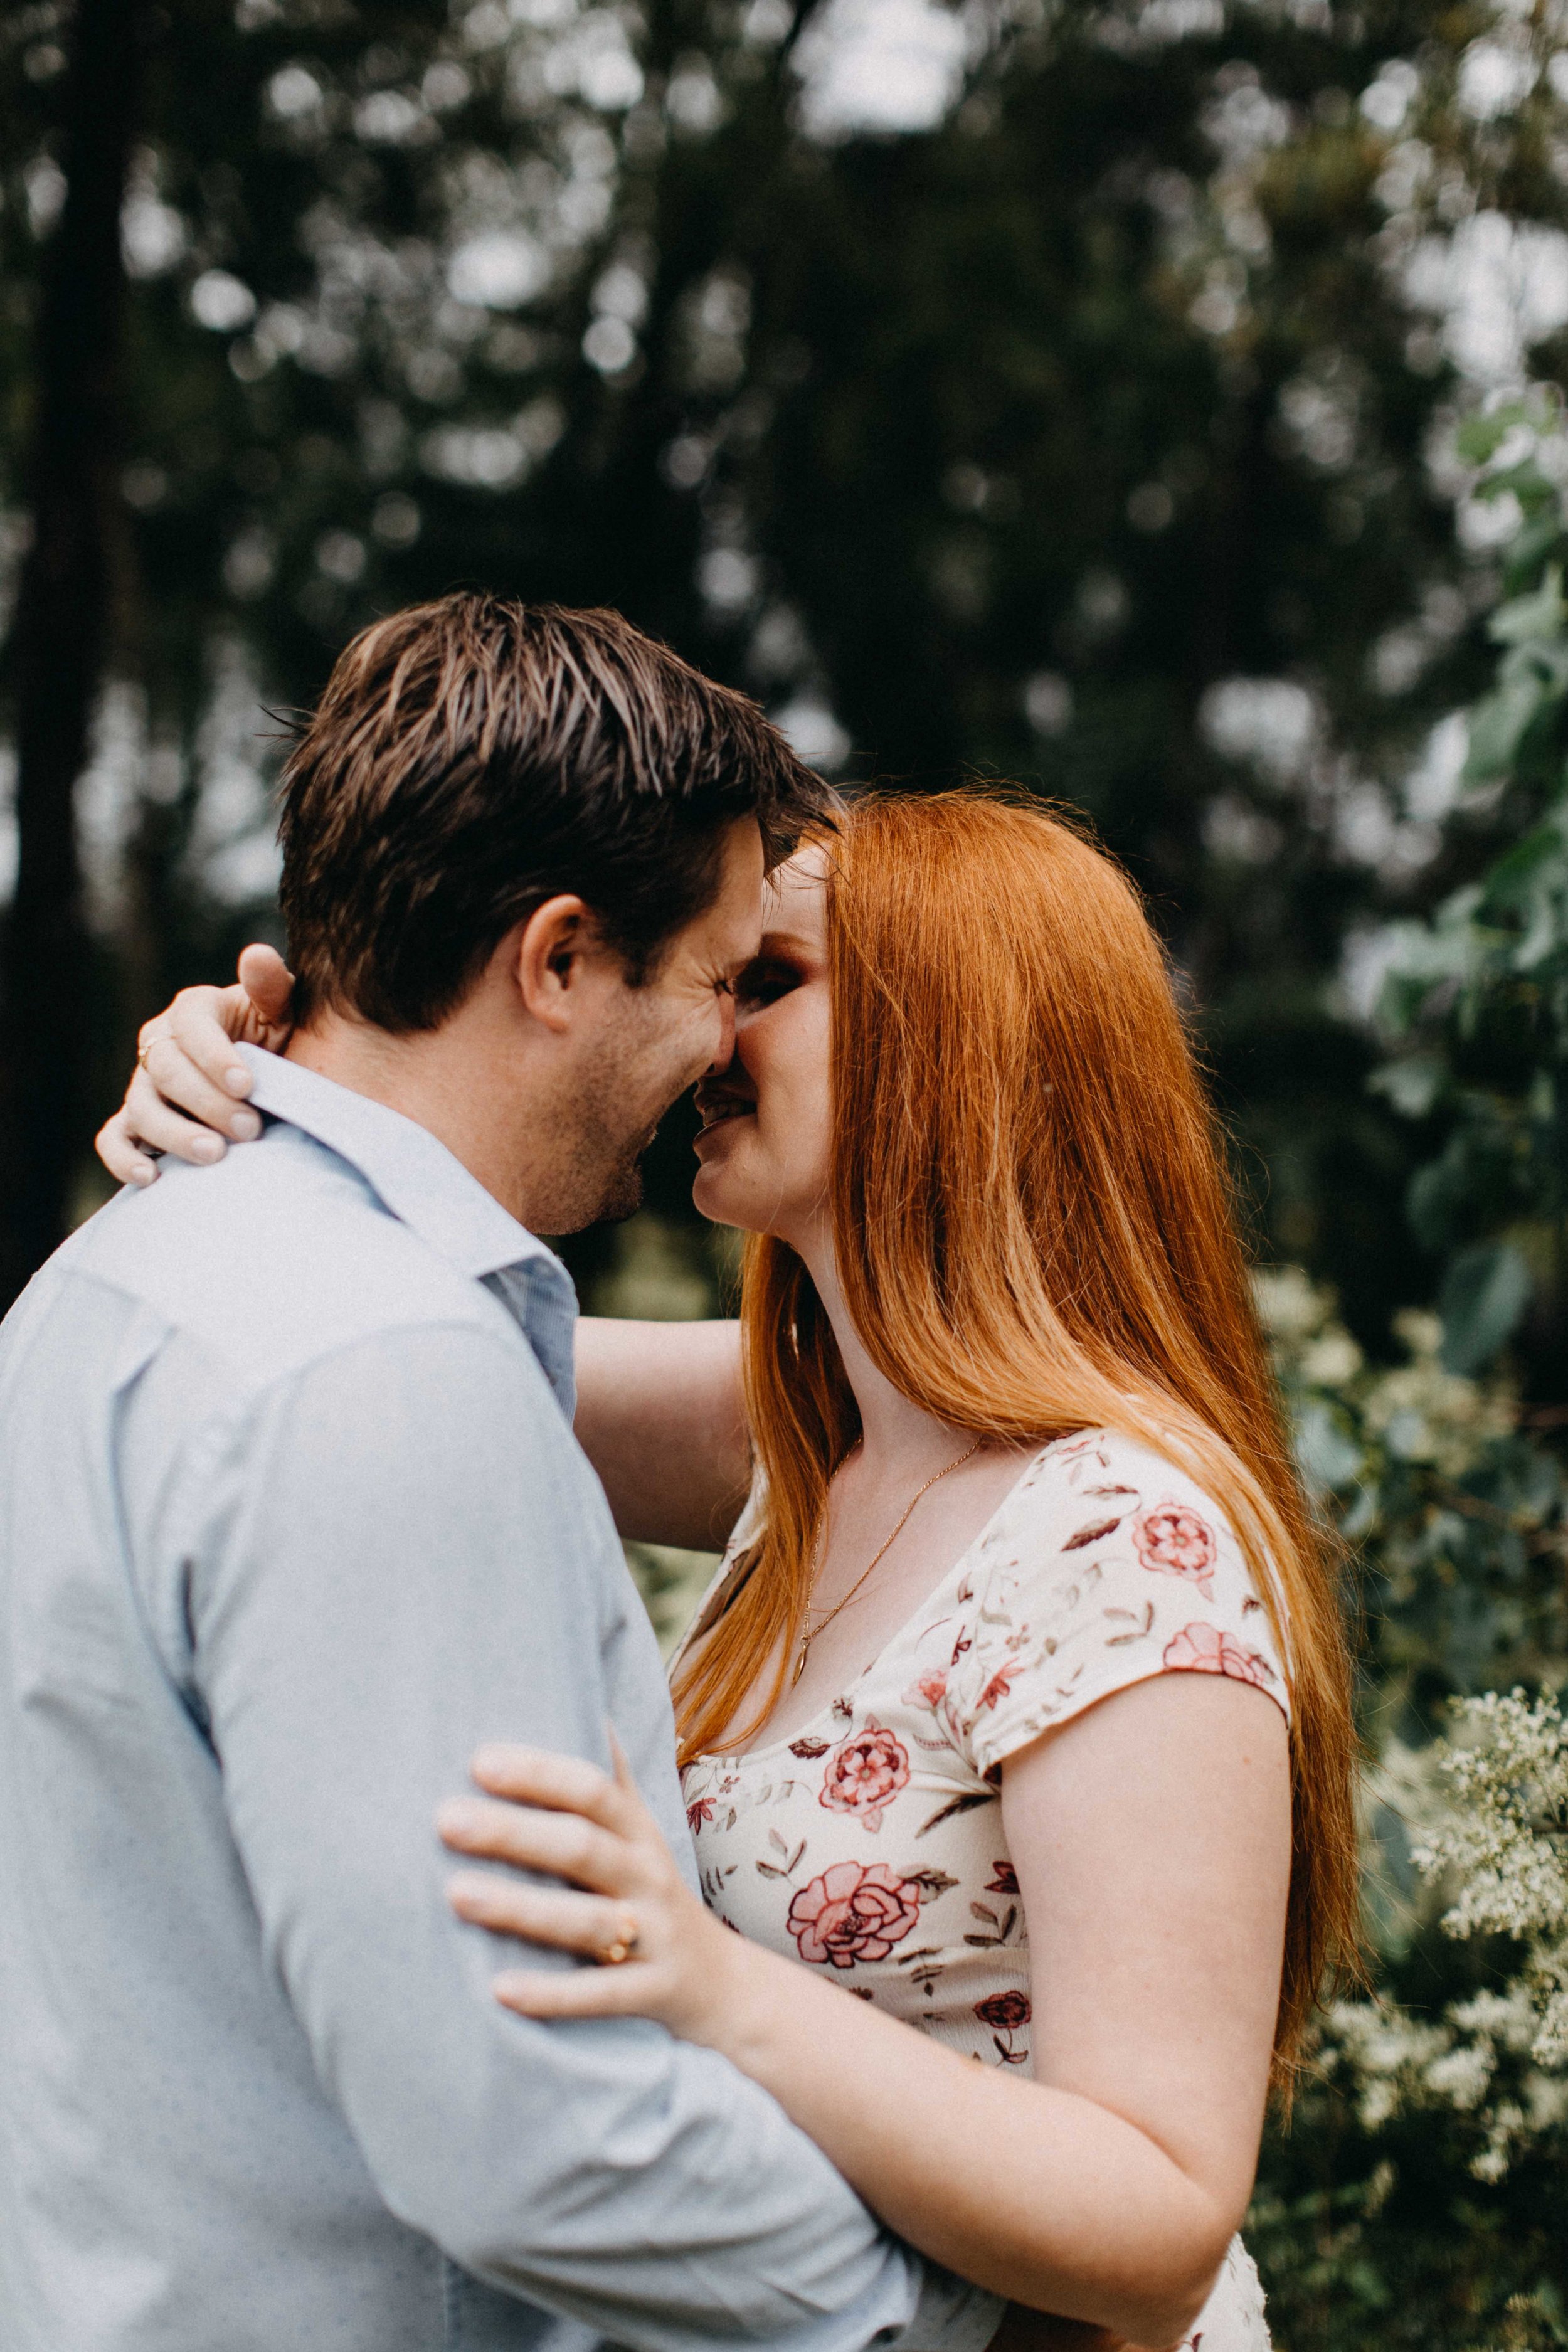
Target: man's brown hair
x: 470, y: 759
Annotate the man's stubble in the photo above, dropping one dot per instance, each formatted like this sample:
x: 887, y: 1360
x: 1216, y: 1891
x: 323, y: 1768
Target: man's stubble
x: 619, y: 1105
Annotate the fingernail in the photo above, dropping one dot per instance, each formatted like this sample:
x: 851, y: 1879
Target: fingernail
x: 236, y: 1078
x: 208, y: 1147
x: 245, y: 1125
x: 512, y: 1987
x: 143, y: 1174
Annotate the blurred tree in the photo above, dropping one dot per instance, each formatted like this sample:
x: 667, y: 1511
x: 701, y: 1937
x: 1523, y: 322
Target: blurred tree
x: 1099, y: 431
x: 62, y: 630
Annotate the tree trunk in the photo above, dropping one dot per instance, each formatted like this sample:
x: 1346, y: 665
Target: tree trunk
x: 61, y: 638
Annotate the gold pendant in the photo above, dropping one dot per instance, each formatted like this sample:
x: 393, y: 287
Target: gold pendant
x: 800, y: 1663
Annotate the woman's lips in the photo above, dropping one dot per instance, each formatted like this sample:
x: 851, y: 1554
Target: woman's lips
x: 717, y: 1115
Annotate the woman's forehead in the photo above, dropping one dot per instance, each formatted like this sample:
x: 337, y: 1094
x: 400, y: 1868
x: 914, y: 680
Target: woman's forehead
x: 794, y: 897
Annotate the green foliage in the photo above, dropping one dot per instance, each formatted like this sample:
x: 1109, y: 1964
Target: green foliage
x: 1379, y: 2238
x: 1479, y: 998
x: 1419, y: 2195
x: 1421, y: 2192
x: 1451, y: 1514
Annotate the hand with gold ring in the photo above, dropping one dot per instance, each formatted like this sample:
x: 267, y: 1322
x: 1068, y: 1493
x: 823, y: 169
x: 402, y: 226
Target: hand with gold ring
x: 624, y: 1947
x: 624, y: 1903
x: 186, y: 1094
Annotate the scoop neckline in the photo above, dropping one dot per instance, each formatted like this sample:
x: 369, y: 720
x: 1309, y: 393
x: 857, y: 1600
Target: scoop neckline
x: 783, y: 1747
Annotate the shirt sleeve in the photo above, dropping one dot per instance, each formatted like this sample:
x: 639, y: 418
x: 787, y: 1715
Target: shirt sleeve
x: 1106, y: 1566
x: 401, y: 1556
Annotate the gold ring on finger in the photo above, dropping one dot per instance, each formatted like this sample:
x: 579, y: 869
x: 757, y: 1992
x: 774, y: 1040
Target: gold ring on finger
x: 622, y: 1945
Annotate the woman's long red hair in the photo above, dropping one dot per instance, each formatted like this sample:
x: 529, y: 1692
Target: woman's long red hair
x: 1035, y: 1233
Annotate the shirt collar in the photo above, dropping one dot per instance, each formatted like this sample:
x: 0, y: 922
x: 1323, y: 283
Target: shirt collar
x: 427, y: 1188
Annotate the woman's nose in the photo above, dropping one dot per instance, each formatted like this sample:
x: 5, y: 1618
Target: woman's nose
x: 742, y: 1040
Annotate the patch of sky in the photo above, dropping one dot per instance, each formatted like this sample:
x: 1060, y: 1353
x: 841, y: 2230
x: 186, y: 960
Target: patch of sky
x: 888, y: 65
x: 1499, y: 287
x: 233, y: 847
x: 497, y: 270
x: 813, y: 734
x: 1271, y: 724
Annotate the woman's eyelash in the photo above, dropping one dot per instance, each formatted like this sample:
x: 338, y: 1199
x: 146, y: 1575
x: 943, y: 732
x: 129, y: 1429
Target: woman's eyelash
x: 765, y: 981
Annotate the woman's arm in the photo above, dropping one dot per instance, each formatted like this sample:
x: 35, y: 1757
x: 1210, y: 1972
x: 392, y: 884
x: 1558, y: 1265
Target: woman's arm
x: 1151, y: 1842
x: 661, y: 1417
x: 659, y: 1410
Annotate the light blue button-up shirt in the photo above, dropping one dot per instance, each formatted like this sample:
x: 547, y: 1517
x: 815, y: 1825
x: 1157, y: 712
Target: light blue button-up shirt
x: 290, y: 1519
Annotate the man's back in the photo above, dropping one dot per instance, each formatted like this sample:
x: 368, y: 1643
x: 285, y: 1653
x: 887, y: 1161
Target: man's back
x: 290, y: 1518
x: 167, y: 2139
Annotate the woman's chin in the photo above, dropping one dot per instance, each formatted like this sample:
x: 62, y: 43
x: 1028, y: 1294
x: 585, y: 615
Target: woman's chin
x: 709, y: 1196
x: 719, y: 1191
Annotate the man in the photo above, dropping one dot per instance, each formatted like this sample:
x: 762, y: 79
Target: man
x: 291, y: 1519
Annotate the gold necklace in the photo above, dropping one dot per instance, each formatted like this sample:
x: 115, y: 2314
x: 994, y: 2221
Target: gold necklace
x: 811, y: 1633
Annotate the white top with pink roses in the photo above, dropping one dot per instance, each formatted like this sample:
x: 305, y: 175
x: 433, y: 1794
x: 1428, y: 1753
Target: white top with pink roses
x: 871, y: 1843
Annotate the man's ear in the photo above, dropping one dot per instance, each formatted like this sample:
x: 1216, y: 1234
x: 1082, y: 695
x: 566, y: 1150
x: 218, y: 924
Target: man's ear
x: 553, y: 947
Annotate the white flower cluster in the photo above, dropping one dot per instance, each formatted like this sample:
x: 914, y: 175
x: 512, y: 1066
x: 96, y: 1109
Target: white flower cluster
x: 1346, y: 1412
x: 1426, y: 1415
x: 1503, y: 1842
x: 1483, y: 1816
x: 1490, y: 1812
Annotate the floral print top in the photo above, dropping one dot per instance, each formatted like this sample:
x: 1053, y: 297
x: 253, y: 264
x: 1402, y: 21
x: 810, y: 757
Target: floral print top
x: 871, y: 1842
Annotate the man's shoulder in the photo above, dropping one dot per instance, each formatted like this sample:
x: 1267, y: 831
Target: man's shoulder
x: 277, y: 1258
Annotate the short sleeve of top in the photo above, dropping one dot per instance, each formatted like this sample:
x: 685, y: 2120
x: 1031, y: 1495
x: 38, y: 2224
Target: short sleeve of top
x: 1105, y: 1567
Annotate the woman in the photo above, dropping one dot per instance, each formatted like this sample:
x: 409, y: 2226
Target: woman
x: 985, y: 1719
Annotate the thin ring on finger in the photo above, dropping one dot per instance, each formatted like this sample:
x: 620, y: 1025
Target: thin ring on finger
x: 623, y: 1944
